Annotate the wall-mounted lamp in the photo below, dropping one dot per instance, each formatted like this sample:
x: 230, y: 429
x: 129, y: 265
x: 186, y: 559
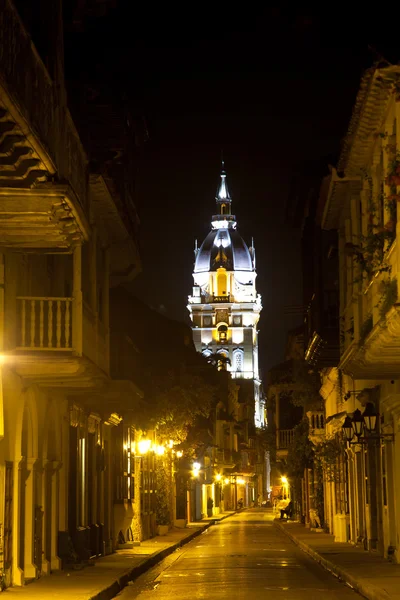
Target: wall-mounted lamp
x: 159, y: 450
x: 196, y: 469
x: 362, y: 426
x: 144, y: 446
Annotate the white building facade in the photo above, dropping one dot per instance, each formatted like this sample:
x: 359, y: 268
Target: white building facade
x: 224, y: 306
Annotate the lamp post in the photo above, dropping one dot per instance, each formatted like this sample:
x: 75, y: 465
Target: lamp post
x: 285, y: 486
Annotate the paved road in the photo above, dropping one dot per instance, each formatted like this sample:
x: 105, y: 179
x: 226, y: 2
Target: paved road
x: 245, y: 556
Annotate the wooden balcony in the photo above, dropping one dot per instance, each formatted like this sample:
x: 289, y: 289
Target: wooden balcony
x: 227, y: 458
x: 43, y: 167
x: 218, y: 299
x: 284, y: 438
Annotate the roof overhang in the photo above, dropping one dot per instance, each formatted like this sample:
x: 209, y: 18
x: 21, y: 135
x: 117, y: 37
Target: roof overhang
x: 376, y: 89
x: 337, y: 192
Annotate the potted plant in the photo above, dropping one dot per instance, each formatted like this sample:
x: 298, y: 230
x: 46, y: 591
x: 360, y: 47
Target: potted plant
x: 163, y: 517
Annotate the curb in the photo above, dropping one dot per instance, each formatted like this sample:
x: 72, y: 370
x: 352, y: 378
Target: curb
x: 367, y: 590
x: 118, y: 585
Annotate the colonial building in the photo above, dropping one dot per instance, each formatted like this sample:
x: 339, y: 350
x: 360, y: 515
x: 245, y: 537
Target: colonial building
x: 225, y: 307
x: 363, y: 394
x: 63, y: 236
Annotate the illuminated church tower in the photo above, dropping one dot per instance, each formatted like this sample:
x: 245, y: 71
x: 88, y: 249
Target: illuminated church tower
x: 225, y: 307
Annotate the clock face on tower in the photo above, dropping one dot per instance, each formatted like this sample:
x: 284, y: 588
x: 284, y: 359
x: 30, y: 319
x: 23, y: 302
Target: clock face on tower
x: 222, y: 316
x: 237, y: 320
x: 207, y: 321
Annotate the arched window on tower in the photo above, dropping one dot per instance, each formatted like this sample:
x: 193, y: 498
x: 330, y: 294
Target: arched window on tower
x: 223, y: 361
x: 222, y: 334
x: 223, y: 209
x: 221, y: 282
x: 238, y: 360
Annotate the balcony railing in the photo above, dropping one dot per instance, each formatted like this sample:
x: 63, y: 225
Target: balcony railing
x: 44, y: 323
x: 226, y: 298
x: 225, y: 456
x: 285, y: 438
x: 242, y: 374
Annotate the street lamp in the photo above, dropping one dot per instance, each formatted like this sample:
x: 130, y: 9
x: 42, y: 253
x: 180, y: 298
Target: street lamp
x: 196, y: 469
x: 348, y: 429
x: 357, y: 423
x: 143, y: 446
x: 363, y: 426
x: 370, y: 417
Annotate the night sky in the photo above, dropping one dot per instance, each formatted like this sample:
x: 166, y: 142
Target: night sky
x: 274, y: 90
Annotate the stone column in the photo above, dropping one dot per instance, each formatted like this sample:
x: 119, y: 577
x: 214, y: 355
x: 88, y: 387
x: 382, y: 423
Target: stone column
x: 17, y: 572
x: 359, y: 495
x: 352, y: 496
x: 77, y: 339
x: 93, y: 270
x: 105, y: 316
x: 51, y: 498
x: 391, y: 494
x: 55, y: 560
x: 47, y: 521
x: 30, y: 569
x: 106, y: 289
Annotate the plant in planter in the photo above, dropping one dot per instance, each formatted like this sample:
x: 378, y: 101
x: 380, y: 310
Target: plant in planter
x: 393, y: 173
x: 369, y: 254
x: 163, y: 515
x: 389, y: 293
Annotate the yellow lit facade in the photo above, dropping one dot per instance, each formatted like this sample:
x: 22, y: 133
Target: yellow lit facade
x: 63, y: 244
x: 361, y: 203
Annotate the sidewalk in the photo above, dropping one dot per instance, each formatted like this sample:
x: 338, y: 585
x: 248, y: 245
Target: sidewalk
x: 111, y: 573
x: 370, y: 575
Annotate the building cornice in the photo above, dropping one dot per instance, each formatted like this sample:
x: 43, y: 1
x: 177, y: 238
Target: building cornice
x: 376, y: 88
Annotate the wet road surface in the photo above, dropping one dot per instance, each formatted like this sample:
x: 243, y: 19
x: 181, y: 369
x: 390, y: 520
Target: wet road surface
x: 244, y: 556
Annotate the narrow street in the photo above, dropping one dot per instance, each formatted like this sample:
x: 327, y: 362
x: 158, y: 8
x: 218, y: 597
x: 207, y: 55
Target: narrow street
x: 245, y: 556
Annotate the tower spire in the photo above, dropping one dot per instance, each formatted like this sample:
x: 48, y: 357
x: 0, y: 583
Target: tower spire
x: 223, y: 197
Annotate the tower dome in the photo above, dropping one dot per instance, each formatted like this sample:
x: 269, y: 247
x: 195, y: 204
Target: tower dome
x: 223, y: 248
